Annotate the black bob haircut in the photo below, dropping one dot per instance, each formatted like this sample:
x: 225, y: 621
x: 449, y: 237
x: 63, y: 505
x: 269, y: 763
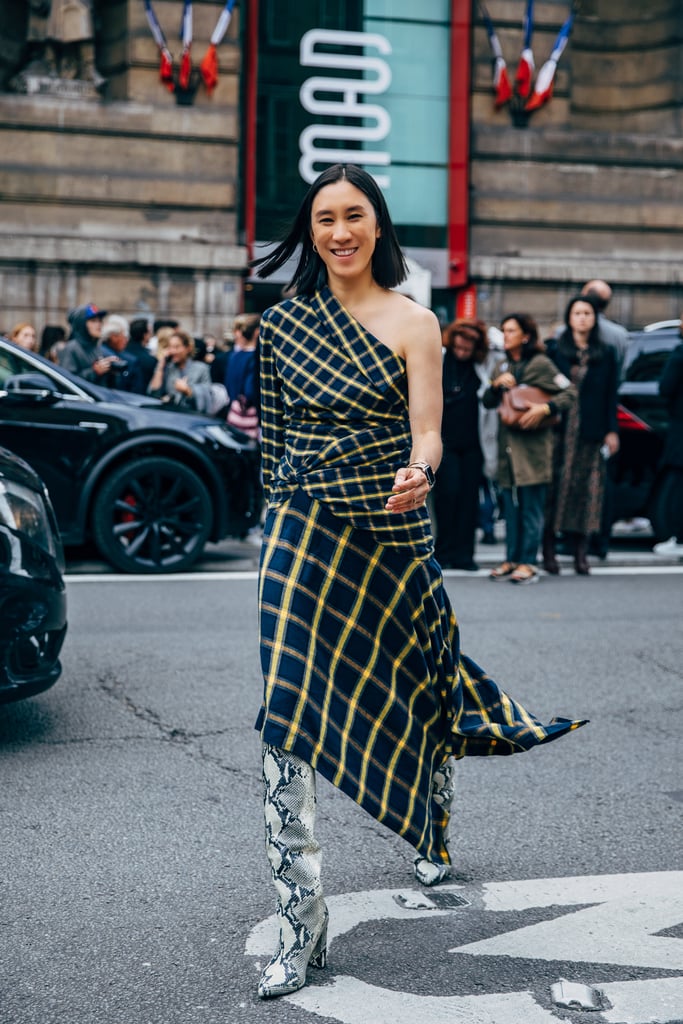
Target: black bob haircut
x: 388, y: 262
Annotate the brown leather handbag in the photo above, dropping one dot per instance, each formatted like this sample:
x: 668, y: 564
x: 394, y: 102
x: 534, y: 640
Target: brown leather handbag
x: 516, y: 401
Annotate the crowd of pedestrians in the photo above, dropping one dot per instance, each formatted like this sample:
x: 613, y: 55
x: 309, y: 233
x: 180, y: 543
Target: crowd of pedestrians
x: 548, y: 475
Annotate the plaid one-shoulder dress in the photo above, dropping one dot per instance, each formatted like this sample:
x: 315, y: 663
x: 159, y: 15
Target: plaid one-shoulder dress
x: 364, y: 677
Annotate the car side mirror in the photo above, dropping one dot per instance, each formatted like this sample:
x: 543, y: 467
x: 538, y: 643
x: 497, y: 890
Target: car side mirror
x: 30, y: 389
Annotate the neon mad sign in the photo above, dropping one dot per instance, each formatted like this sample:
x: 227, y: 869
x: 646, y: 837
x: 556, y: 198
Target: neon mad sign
x: 342, y: 97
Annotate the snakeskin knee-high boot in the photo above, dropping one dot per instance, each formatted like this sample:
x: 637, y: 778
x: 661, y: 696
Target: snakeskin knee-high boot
x: 295, y: 860
x: 430, y: 872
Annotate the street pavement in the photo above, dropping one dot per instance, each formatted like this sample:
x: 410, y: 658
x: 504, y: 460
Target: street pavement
x: 135, y: 886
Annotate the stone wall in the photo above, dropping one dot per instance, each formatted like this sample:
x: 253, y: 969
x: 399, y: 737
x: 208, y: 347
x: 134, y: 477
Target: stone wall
x: 127, y: 200
x: 593, y: 186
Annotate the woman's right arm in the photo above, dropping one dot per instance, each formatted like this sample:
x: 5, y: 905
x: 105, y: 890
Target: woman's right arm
x: 272, y: 412
x: 156, y: 385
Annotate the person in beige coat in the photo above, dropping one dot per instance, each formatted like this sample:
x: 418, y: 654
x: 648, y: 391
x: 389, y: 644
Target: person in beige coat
x: 525, y: 451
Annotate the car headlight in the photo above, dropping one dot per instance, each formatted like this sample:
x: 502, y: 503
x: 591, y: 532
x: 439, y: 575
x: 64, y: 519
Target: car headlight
x: 24, y: 511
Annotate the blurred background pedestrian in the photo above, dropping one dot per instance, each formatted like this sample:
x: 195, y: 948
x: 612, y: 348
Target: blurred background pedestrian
x: 671, y: 388
x: 456, y: 492
x: 525, y: 451
x: 178, y: 379
x: 24, y: 334
x: 586, y: 437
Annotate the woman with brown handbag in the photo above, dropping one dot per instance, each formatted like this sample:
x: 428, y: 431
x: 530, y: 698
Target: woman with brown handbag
x: 525, y: 447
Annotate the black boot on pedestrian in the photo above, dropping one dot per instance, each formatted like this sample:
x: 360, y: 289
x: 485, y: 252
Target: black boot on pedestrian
x: 550, y: 563
x: 580, y: 556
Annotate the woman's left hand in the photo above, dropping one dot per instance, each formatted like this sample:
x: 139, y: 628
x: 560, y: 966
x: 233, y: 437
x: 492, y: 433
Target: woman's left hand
x: 183, y: 387
x: 409, y: 491
x: 612, y: 442
x: 534, y: 416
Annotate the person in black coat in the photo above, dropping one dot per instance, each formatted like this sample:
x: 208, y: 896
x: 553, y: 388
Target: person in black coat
x: 671, y: 389
x: 140, y: 333
x: 587, y: 436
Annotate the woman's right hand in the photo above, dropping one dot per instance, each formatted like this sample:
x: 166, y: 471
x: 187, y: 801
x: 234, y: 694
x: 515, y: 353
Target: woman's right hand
x: 505, y: 380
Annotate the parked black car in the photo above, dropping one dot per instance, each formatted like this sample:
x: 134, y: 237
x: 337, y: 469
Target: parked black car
x: 643, y: 485
x: 149, y: 485
x: 32, y: 596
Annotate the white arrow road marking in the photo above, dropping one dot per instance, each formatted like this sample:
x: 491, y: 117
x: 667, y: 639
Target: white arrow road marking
x: 351, y: 909
x: 644, y: 1002
x: 351, y: 1001
x: 618, y: 931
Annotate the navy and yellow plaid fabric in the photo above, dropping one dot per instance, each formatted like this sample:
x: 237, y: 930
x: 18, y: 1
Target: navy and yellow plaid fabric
x: 360, y: 648
x: 334, y: 417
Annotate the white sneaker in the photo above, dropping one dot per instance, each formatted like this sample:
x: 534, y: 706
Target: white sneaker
x: 669, y: 547
x: 635, y: 525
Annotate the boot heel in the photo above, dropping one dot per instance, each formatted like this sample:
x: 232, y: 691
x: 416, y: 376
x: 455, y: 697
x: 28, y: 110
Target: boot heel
x: 319, y: 954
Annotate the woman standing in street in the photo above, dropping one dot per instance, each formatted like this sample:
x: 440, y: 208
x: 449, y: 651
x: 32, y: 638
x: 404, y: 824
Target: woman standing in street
x: 525, y: 450
x: 456, y: 493
x: 364, y: 678
x: 588, y: 427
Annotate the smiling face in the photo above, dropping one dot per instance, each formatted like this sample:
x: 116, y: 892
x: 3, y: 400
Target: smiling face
x: 178, y: 351
x: 344, y: 229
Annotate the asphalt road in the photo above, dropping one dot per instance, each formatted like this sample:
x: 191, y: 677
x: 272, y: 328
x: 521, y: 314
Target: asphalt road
x: 134, y: 882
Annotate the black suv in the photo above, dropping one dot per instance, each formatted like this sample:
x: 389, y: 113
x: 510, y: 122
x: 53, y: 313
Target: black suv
x: 643, y: 485
x: 149, y: 485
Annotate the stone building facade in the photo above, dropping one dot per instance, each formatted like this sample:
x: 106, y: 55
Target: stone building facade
x: 126, y: 198
x: 593, y: 185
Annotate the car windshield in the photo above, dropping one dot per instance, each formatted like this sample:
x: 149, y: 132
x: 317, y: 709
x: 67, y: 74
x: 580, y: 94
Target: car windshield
x: 15, y: 360
x: 648, y: 355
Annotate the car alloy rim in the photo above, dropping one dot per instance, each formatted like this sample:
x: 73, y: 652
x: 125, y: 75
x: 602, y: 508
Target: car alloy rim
x: 156, y: 518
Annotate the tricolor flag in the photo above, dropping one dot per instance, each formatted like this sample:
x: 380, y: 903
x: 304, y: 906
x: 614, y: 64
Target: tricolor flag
x: 166, y: 60
x: 543, y: 88
x: 525, y: 68
x: 501, y: 82
x: 209, y: 64
x: 186, y: 36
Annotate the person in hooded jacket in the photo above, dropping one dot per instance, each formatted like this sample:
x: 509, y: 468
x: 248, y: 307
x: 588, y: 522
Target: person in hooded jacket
x: 83, y: 353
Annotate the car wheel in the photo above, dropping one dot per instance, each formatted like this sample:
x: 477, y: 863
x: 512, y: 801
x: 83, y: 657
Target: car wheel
x: 152, y: 515
x: 664, y: 505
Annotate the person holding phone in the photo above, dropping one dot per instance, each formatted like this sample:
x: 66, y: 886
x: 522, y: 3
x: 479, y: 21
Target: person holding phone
x: 180, y: 380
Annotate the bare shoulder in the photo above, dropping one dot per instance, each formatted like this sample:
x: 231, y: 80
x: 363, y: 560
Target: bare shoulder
x: 418, y: 326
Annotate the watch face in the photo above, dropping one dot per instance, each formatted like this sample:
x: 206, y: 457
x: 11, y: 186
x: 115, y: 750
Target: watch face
x: 429, y: 473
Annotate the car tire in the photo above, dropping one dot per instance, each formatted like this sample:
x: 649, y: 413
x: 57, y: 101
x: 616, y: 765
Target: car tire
x: 152, y: 515
x: 664, y: 504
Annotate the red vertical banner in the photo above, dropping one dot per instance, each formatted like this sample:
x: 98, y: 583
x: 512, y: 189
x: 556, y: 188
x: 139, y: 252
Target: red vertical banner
x: 466, y: 303
x: 250, y: 51
x: 459, y: 143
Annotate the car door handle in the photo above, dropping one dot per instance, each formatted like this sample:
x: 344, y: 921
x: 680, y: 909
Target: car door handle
x: 93, y: 425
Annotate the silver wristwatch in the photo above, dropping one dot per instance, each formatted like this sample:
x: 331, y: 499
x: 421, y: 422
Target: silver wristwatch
x: 427, y: 470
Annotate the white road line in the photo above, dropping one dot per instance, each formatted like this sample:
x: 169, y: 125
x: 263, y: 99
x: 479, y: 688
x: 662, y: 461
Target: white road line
x: 352, y: 1001
x: 252, y: 574
x: 648, y: 1001
x: 622, y: 929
